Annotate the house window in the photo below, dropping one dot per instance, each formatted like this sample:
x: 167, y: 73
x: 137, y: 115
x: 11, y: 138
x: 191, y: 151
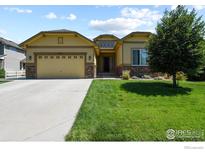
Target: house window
x: 60, y: 40
x: 106, y: 44
x: 29, y: 57
x: 139, y: 57
x: 89, y: 58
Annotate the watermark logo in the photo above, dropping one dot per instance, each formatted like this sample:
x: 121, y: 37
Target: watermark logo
x: 170, y: 134
x: 183, y: 134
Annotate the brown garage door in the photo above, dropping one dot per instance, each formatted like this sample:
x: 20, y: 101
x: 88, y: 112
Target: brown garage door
x: 61, y: 66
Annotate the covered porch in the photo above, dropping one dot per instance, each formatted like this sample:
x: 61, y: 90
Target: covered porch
x: 106, y: 65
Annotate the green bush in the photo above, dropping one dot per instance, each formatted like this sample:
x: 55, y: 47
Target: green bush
x: 181, y: 76
x: 200, y: 76
x: 2, y: 73
x: 126, y: 75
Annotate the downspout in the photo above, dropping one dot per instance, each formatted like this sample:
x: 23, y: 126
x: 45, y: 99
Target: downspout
x: 122, y: 51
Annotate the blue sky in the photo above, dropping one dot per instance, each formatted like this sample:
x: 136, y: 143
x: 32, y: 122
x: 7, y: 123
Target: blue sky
x: 21, y: 22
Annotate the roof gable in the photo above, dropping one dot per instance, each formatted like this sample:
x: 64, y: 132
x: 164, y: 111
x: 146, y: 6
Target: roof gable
x: 9, y: 43
x: 136, y: 35
x: 106, y: 37
x: 60, y: 33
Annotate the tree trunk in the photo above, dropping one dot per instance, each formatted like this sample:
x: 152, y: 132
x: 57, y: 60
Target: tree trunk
x: 174, y: 80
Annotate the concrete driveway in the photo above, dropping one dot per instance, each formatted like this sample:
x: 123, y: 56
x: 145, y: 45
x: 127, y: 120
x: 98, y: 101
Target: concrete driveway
x: 40, y: 110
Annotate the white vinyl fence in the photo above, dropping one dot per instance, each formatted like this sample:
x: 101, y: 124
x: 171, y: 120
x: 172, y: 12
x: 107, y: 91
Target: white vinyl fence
x: 15, y: 74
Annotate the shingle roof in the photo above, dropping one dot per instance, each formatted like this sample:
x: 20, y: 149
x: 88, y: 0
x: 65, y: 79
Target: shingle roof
x: 136, y: 32
x: 9, y: 43
x: 102, y: 35
x: 59, y: 31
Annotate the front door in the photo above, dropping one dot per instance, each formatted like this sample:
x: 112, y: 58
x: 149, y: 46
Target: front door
x: 106, y: 64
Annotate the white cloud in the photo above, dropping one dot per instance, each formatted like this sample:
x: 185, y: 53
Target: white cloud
x: 199, y: 7
x: 71, y: 17
x: 18, y: 10
x: 115, y: 25
x: 145, y: 14
x: 51, y: 15
x: 173, y: 7
x: 131, y: 19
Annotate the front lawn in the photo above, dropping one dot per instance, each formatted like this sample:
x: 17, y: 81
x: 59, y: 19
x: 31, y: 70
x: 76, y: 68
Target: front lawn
x: 118, y: 110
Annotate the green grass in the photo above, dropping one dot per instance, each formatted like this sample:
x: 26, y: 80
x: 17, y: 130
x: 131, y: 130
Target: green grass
x: 118, y: 110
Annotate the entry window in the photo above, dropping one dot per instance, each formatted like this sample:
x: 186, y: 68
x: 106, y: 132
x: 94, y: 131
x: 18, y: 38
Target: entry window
x: 139, y: 57
x: 60, y: 40
x: 106, y: 44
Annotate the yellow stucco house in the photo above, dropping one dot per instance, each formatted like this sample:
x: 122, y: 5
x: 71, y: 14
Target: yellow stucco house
x: 68, y: 54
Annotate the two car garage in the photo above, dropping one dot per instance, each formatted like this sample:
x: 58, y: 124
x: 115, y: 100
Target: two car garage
x: 60, y: 54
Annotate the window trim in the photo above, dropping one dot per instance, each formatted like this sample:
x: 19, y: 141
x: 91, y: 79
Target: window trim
x: 140, y: 49
x: 105, y: 45
x: 60, y: 40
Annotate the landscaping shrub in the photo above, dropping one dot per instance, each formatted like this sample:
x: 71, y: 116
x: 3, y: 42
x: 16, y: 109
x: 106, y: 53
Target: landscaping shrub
x: 167, y: 76
x: 158, y: 78
x: 2, y: 73
x: 135, y: 77
x: 147, y: 77
x: 181, y: 76
x: 125, y: 74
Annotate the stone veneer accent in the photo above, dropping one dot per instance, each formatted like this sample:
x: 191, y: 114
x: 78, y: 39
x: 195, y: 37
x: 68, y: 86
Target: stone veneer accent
x: 31, y: 71
x: 135, y: 70
x: 90, y: 70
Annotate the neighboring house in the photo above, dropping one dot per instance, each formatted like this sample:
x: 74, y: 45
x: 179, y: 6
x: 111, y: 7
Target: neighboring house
x: 11, y: 56
x: 68, y: 54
